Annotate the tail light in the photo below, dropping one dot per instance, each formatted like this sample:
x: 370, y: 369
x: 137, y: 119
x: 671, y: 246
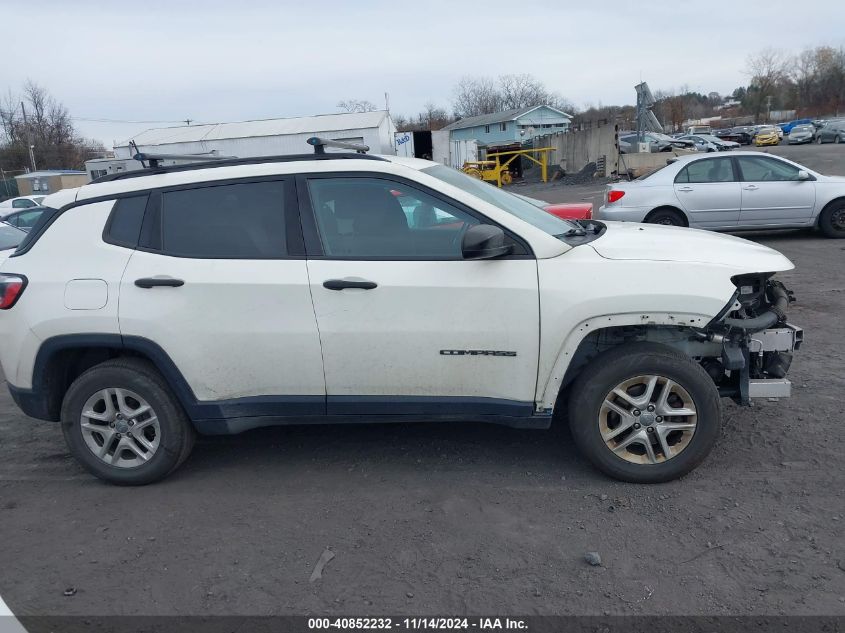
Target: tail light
x: 613, y: 195
x: 11, y: 289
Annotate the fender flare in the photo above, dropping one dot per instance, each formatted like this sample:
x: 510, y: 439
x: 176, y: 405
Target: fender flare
x: 547, y: 397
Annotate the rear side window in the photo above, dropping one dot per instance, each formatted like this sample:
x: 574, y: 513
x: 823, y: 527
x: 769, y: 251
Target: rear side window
x: 238, y: 221
x: 124, y: 225
x: 707, y: 170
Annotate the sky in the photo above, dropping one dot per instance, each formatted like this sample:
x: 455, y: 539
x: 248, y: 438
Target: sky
x: 123, y: 67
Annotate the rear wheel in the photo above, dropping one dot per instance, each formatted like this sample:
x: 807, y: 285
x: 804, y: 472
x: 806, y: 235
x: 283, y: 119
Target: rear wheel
x: 832, y: 220
x: 837, y: 139
x: 666, y: 217
x: 644, y: 413
x: 818, y: 140
x: 123, y: 424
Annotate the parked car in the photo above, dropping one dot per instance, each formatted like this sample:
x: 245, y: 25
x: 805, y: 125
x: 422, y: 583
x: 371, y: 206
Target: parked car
x: 788, y: 127
x: 699, y: 129
x: 563, y: 210
x: 745, y: 134
x: 746, y: 190
x: 801, y: 134
x: 295, y: 290
x: 729, y: 134
x: 767, y: 136
x: 25, y: 219
x: 10, y: 238
x: 628, y: 142
x: 21, y: 202
x: 707, y: 143
x: 831, y: 132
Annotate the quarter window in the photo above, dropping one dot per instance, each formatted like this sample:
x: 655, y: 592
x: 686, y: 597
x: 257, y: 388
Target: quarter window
x: 707, y: 170
x: 766, y: 169
x: 124, y: 226
x: 371, y: 217
x: 238, y: 221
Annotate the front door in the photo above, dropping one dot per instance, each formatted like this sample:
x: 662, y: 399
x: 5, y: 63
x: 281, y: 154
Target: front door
x: 708, y: 191
x: 407, y: 326
x: 217, y: 288
x: 772, y: 193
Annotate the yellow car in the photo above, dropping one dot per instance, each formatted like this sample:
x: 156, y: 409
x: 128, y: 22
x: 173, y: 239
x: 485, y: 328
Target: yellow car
x: 767, y: 137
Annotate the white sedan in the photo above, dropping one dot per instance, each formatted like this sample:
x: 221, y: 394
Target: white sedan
x: 17, y: 204
x: 743, y: 190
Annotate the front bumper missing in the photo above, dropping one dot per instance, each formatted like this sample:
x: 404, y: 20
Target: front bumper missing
x: 766, y: 357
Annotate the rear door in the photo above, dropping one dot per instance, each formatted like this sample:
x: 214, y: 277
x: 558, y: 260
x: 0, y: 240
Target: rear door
x: 772, y: 194
x: 709, y: 193
x: 220, y: 283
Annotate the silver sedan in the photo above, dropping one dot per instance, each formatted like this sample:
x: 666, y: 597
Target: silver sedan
x: 742, y: 190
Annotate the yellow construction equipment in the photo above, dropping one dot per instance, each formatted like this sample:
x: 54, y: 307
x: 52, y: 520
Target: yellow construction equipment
x: 498, y: 172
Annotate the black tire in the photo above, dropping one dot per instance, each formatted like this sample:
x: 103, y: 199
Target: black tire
x: 613, y: 367
x: 832, y: 220
x: 139, y: 376
x: 837, y: 140
x: 666, y: 217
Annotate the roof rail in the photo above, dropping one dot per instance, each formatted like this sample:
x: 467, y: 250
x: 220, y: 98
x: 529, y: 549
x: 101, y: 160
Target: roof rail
x: 231, y: 162
x: 320, y: 144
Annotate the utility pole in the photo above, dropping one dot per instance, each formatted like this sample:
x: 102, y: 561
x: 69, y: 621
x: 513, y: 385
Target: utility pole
x: 28, y: 138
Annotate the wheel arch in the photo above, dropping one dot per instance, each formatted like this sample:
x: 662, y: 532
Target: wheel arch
x: 830, y: 203
x: 574, y: 354
x: 668, y: 207
x: 62, y: 359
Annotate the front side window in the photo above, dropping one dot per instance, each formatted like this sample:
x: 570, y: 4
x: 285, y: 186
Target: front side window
x: 238, y: 221
x: 505, y: 201
x: 373, y: 217
x: 707, y: 170
x: 22, y: 203
x: 761, y: 169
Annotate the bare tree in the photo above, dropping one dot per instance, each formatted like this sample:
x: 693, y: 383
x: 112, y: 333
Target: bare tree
x: 476, y: 95
x: 483, y: 95
x: 767, y: 69
x: 48, y: 127
x: 357, y: 105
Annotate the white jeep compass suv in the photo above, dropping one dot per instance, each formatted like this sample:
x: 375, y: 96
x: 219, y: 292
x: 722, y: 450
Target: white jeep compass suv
x: 219, y: 297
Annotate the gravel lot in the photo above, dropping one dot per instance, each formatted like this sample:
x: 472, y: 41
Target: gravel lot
x: 425, y: 519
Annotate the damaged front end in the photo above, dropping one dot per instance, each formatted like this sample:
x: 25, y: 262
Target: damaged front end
x: 757, y: 341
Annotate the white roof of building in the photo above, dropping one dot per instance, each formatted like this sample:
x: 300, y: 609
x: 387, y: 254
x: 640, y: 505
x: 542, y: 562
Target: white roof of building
x: 263, y: 127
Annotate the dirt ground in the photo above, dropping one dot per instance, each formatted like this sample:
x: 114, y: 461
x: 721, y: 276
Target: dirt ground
x: 473, y: 519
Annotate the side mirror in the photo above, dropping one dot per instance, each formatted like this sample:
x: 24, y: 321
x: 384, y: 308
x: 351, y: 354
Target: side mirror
x: 484, y: 241
x: 804, y: 175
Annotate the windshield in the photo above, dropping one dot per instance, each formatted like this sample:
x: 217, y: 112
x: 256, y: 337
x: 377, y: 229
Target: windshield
x: 10, y: 237
x: 520, y: 208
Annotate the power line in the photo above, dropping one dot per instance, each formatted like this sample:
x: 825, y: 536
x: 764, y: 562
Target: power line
x: 97, y: 120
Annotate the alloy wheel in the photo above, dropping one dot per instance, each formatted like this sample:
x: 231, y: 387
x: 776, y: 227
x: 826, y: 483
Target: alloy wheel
x: 120, y: 428
x: 647, y: 419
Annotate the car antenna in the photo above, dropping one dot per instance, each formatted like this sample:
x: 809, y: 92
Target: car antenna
x: 320, y: 144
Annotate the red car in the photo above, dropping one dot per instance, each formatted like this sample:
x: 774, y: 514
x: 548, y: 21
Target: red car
x: 564, y: 210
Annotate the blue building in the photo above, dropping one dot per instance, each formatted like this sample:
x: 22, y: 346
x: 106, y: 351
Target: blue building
x: 510, y: 127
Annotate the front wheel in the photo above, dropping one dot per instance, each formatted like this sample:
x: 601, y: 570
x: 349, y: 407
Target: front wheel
x: 644, y: 413
x: 818, y: 140
x: 123, y: 424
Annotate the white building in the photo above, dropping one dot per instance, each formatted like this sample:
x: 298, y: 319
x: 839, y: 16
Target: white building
x: 245, y: 139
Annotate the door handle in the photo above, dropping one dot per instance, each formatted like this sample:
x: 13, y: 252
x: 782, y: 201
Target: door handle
x: 157, y: 282
x: 342, y: 284
x: 685, y: 189
x: 751, y: 187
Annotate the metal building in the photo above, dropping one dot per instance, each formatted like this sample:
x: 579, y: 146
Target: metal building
x: 267, y: 137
